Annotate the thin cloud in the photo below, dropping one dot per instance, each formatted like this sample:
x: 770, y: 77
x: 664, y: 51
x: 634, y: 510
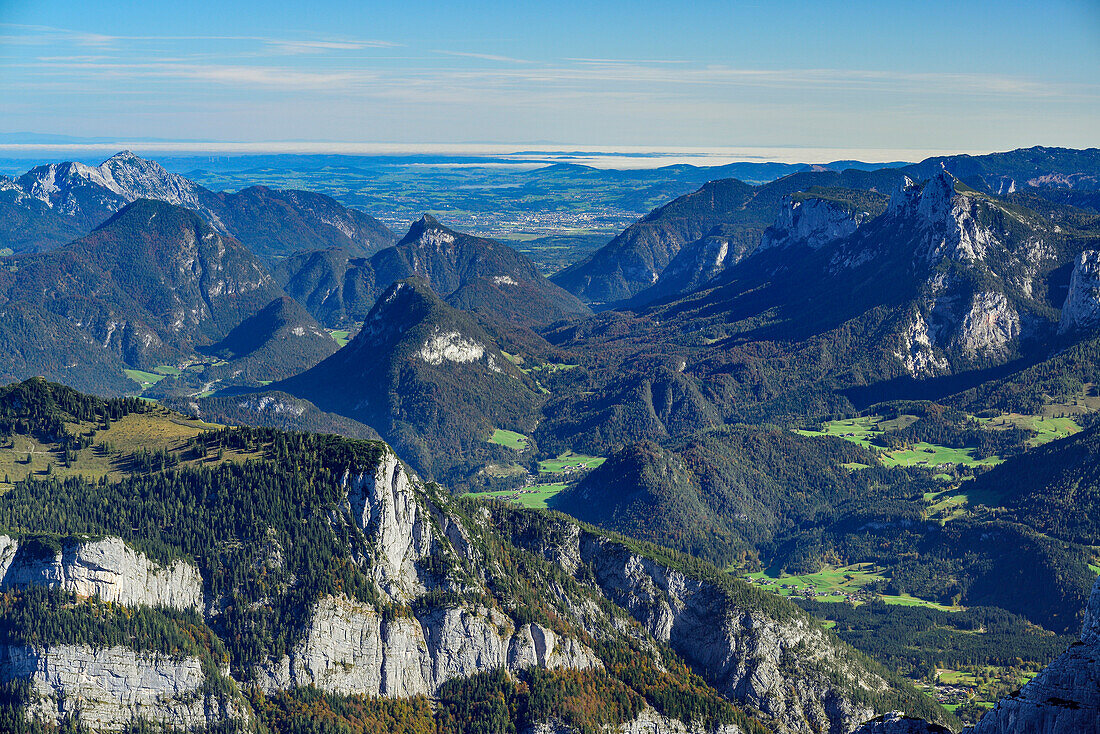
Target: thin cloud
x: 484, y: 57
x: 314, y: 47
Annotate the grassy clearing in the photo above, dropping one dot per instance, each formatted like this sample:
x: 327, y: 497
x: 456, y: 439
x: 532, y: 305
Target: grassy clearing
x: 504, y: 470
x: 928, y: 454
x: 167, y: 369
x: 534, y: 496
x: 570, y: 462
x: 340, y: 336
x: 23, y: 456
x: 864, y: 429
x: 1047, y: 428
x: 145, y: 379
x: 511, y: 439
x: 837, y: 584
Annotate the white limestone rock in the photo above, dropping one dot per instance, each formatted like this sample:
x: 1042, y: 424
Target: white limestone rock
x: 649, y: 721
x: 1081, y: 311
x: 989, y: 327
x: 350, y: 648
x: 107, y: 568
x: 112, y: 686
x: 811, y: 223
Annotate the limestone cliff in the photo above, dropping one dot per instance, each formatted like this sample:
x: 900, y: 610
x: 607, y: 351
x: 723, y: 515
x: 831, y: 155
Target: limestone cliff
x: 106, y: 568
x: 783, y: 665
x: 111, y: 687
x: 1081, y: 311
x: 811, y: 222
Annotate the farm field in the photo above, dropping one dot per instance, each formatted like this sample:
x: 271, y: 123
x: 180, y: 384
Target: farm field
x: 863, y: 430
x: 511, y: 439
x: 570, y: 461
x: 836, y: 584
x: 1046, y: 428
x: 340, y: 336
x: 145, y: 379
x: 535, y: 495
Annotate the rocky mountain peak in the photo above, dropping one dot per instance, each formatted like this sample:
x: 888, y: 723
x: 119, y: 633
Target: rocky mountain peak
x: 427, y: 232
x: 904, y: 195
x: 936, y: 197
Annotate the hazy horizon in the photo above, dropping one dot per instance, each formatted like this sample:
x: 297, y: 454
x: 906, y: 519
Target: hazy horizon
x: 857, y: 76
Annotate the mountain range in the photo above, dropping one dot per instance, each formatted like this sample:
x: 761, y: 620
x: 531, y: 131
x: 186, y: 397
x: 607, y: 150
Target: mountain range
x: 69, y: 199
x: 877, y: 387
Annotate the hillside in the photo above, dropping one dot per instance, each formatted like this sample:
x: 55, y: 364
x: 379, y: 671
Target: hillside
x: 635, y: 259
x: 724, y: 493
x: 320, y: 577
x: 148, y: 287
x: 427, y: 377
x: 278, y: 341
x: 477, y: 274
x: 1054, y: 489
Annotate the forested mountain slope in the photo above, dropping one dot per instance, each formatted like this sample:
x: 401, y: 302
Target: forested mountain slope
x: 241, y: 573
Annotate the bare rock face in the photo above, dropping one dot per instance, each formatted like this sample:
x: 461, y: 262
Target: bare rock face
x: 649, y: 721
x: 384, y: 505
x: 111, y: 687
x: 107, y: 568
x: 350, y: 648
x: 812, y: 223
x: 989, y: 326
x: 773, y: 665
x: 1081, y: 311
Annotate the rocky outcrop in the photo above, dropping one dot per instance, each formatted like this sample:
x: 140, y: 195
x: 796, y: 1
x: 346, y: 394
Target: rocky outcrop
x: 776, y: 665
x: 350, y: 648
x: 111, y: 687
x: 989, y: 327
x: 383, y: 504
x: 1081, y: 311
x: 106, y: 568
x: 649, y: 721
x: 696, y: 264
x: 895, y: 722
x: 811, y: 222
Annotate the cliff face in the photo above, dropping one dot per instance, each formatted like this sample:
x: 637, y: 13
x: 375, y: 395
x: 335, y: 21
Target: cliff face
x: 1082, y: 308
x: 107, y: 568
x: 776, y: 665
x: 811, y: 222
x: 445, y: 605
x: 110, y: 687
x: 350, y: 648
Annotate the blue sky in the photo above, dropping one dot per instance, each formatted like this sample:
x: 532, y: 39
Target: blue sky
x: 920, y: 76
